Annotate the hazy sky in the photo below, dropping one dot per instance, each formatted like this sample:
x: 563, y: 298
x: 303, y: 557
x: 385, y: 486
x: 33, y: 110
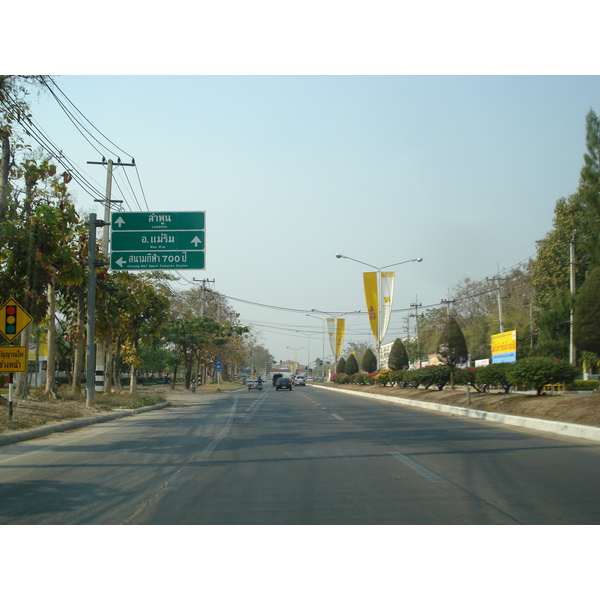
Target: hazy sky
x: 463, y: 171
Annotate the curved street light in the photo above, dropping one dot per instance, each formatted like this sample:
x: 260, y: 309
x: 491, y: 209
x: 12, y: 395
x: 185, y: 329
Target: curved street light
x: 295, y: 355
x: 379, y: 269
x: 308, y: 337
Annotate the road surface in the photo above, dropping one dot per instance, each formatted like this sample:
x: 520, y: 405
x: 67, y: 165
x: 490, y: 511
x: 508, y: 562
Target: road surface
x: 309, y: 456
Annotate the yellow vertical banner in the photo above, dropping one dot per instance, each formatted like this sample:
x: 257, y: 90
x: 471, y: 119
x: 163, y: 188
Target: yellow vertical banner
x: 331, y: 334
x: 372, y: 298
x: 387, y: 295
x: 339, y: 337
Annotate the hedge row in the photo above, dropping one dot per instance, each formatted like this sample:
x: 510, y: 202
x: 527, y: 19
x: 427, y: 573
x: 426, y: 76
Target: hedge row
x: 534, y: 372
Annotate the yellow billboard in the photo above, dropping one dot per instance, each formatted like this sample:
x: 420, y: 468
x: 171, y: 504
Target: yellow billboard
x: 504, y: 347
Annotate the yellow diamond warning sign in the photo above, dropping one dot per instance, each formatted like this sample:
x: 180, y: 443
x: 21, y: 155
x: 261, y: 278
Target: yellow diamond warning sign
x: 13, y: 319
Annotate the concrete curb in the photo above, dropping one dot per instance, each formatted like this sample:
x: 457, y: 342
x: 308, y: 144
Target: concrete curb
x: 586, y: 432
x: 21, y: 436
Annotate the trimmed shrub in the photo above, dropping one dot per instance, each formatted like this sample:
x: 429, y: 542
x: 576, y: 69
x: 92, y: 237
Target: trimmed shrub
x: 383, y: 377
x: 437, y: 375
x: 495, y: 374
x: 538, y: 371
x: 351, y: 365
x: 585, y: 385
x: 398, y: 356
x: 369, y: 361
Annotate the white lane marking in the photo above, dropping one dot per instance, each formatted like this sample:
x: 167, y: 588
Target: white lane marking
x: 337, y: 417
x: 415, y: 466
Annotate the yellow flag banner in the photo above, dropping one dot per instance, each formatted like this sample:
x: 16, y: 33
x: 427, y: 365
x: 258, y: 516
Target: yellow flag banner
x: 331, y: 334
x: 372, y: 298
x: 387, y: 295
x: 339, y: 337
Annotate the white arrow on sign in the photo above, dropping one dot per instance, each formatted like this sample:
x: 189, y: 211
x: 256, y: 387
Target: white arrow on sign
x: 119, y: 221
x: 121, y: 262
x: 196, y: 241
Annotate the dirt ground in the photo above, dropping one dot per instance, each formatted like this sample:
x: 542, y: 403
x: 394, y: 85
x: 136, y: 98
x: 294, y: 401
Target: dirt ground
x: 584, y: 410
x: 38, y: 411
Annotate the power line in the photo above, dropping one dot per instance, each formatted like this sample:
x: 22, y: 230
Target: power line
x: 32, y: 129
x: 72, y: 118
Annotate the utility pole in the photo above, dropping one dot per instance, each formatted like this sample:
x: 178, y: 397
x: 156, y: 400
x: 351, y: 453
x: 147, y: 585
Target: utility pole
x: 203, y: 288
x: 92, y: 263
x: 203, y: 369
x: 416, y: 315
x: 447, y: 303
x: 572, y: 351
x: 107, y: 201
x: 499, y: 296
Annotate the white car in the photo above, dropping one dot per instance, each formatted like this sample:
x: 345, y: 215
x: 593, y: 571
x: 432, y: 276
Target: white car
x: 299, y: 381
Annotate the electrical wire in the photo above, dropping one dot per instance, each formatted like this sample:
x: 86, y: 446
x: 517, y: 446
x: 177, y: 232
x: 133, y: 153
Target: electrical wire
x: 37, y: 133
x: 74, y: 120
x: 32, y: 129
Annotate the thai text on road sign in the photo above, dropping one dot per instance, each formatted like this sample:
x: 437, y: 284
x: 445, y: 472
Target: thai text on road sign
x: 157, y: 240
x: 13, y: 359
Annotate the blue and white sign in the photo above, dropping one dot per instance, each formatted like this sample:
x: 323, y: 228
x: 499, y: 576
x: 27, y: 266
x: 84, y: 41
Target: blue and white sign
x: 218, y: 366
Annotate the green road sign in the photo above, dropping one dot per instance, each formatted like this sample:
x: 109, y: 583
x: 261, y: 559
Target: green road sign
x: 160, y: 259
x: 157, y: 221
x: 157, y: 240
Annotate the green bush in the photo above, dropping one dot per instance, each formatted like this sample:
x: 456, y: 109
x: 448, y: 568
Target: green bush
x: 341, y: 378
x: 495, y: 374
x: 351, y: 365
x: 382, y: 377
x: 437, y: 375
x: 466, y: 377
x: 538, y: 371
x: 369, y: 361
x: 587, y: 385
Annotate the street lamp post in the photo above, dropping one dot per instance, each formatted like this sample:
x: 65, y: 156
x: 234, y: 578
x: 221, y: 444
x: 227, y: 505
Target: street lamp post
x: 323, y: 355
x: 379, y: 319
x: 323, y: 319
x: 308, y: 337
x: 295, y: 355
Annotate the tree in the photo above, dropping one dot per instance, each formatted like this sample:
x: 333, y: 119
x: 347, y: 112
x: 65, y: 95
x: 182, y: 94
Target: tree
x: 369, y: 361
x: 341, y: 365
x: 13, y: 109
x: 586, y: 328
x: 398, y: 356
x: 140, y: 304
x: 452, y: 346
x: 590, y: 179
x: 538, y: 371
x: 358, y: 349
x: 351, y: 365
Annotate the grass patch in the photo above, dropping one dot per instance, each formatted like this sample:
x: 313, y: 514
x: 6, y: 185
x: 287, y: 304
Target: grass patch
x: 127, y: 401
x: 39, y: 410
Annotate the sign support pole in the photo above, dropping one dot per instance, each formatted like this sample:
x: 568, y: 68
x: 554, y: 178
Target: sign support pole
x: 90, y: 372
x: 10, y: 396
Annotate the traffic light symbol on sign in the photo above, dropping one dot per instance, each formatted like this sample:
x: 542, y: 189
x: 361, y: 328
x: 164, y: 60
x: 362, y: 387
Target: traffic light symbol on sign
x: 10, y: 326
x: 13, y: 319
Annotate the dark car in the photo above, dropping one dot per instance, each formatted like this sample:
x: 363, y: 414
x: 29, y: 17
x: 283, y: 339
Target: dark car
x: 283, y: 383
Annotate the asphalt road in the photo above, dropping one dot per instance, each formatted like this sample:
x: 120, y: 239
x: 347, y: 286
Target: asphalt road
x: 309, y: 456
